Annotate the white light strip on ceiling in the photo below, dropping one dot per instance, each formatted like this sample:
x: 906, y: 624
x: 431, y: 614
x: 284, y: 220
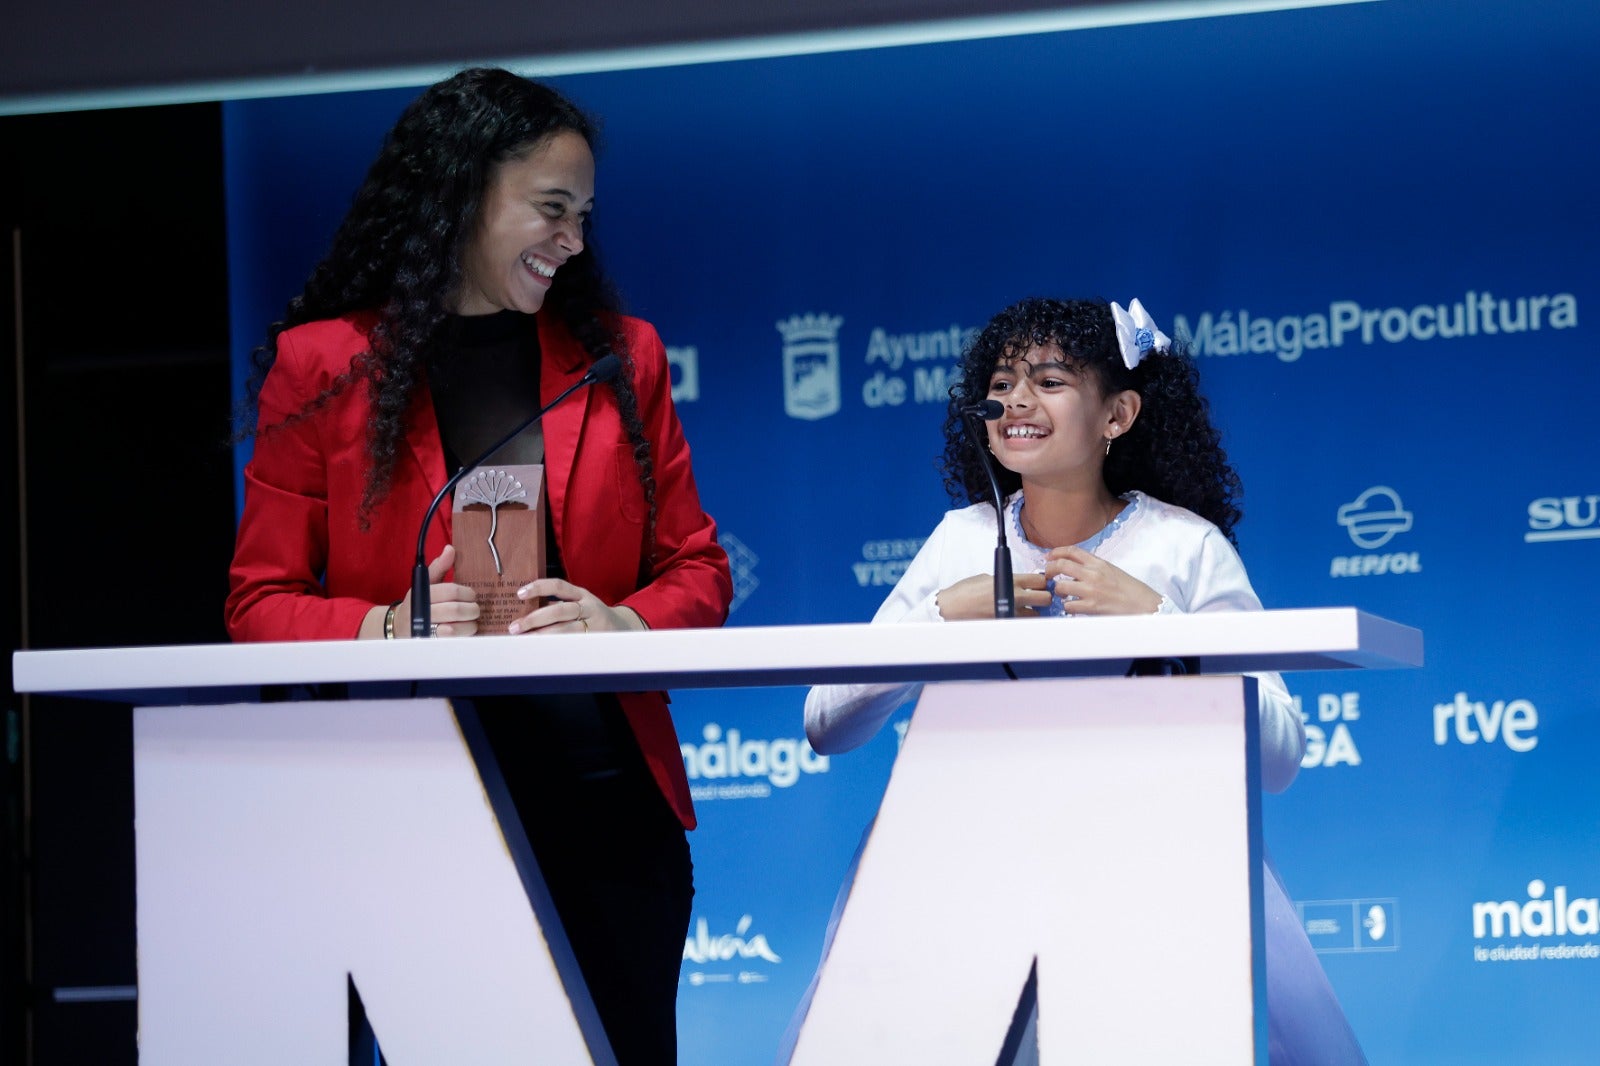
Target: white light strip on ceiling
x: 668, y: 55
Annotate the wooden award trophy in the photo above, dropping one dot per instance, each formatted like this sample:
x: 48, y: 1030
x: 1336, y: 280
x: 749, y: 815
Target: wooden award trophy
x: 498, y: 524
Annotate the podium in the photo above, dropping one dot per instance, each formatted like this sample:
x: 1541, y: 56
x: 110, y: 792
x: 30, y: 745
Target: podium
x: 1038, y: 818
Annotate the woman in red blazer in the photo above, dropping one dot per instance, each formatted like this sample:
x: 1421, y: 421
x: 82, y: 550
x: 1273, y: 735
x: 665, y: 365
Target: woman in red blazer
x: 459, y: 292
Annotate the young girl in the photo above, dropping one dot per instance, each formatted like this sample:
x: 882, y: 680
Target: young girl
x: 1120, y: 500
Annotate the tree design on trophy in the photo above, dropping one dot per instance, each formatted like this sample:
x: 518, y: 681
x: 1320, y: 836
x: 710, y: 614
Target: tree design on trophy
x: 492, y: 488
x: 500, y: 509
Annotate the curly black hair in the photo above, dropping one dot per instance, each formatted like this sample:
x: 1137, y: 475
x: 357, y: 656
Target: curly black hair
x: 399, y: 249
x: 1172, y: 451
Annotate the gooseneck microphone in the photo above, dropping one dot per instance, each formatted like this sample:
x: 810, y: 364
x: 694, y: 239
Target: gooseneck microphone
x: 604, y: 369
x: 987, y: 411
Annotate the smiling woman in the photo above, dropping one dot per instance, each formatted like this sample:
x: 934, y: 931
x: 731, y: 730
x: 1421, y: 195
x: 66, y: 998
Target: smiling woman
x: 458, y: 299
x: 532, y: 222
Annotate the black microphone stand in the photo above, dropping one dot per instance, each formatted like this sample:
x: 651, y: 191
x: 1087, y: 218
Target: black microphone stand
x: 604, y: 369
x: 1004, y: 589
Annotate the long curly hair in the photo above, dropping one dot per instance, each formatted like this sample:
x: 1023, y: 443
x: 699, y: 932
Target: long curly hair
x: 1172, y: 451
x: 399, y: 249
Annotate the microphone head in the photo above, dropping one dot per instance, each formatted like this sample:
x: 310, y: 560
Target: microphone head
x: 988, y: 410
x: 604, y: 369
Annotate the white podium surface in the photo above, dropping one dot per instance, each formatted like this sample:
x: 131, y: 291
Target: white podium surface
x: 1318, y: 639
x: 282, y: 845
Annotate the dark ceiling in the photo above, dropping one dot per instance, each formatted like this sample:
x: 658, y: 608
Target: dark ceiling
x: 54, y: 50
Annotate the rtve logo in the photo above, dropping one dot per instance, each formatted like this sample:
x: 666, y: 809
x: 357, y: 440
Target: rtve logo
x: 1512, y: 722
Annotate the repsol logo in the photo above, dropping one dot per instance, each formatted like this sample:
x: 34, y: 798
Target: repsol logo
x: 1371, y: 565
x: 1563, y: 518
x: 1373, y: 519
x: 1511, y: 723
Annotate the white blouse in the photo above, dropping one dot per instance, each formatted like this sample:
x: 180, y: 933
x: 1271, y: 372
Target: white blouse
x: 1180, y: 555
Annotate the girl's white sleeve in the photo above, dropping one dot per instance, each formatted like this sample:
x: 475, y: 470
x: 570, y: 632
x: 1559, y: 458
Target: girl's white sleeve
x: 1221, y: 584
x: 842, y: 717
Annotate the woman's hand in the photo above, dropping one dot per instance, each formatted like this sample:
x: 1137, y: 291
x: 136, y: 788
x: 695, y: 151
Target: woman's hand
x: 571, y: 610
x: 973, y: 597
x: 453, y: 610
x: 1099, y: 586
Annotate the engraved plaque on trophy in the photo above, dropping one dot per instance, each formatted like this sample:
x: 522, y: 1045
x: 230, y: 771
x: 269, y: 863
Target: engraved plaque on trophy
x: 498, y: 529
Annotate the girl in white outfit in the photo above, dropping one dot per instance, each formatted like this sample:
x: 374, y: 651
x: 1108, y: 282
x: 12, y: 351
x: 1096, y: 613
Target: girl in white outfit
x: 1119, y: 500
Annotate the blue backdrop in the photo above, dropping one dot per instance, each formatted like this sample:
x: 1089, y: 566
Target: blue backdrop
x: 1376, y: 223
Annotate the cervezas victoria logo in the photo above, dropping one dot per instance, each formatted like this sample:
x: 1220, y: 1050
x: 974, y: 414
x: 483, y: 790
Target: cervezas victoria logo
x: 810, y: 365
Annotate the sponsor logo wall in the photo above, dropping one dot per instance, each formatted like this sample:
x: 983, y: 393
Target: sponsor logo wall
x: 1387, y: 270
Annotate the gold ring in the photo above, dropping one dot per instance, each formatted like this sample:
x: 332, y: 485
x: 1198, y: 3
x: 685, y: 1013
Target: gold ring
x: 585, y: 622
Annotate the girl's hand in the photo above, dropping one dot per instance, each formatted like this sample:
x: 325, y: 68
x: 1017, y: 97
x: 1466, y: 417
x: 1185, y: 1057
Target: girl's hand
x: 973, y: 597
x: 571, y: 610
x: 1096, y: 586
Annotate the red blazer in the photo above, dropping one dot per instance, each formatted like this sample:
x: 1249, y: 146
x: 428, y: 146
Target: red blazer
x: 304, y: 569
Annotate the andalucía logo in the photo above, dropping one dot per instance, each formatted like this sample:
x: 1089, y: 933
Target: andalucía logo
x: 1537, y: 918
x: 1563, y: 518
x: 810, y: 365
x: 1373, y: 519
x: 739, y: 947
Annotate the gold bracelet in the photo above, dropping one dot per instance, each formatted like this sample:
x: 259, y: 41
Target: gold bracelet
x: 388, y: 621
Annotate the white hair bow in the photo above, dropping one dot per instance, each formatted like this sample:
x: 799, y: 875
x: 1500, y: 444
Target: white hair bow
x: 1137, y: 333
